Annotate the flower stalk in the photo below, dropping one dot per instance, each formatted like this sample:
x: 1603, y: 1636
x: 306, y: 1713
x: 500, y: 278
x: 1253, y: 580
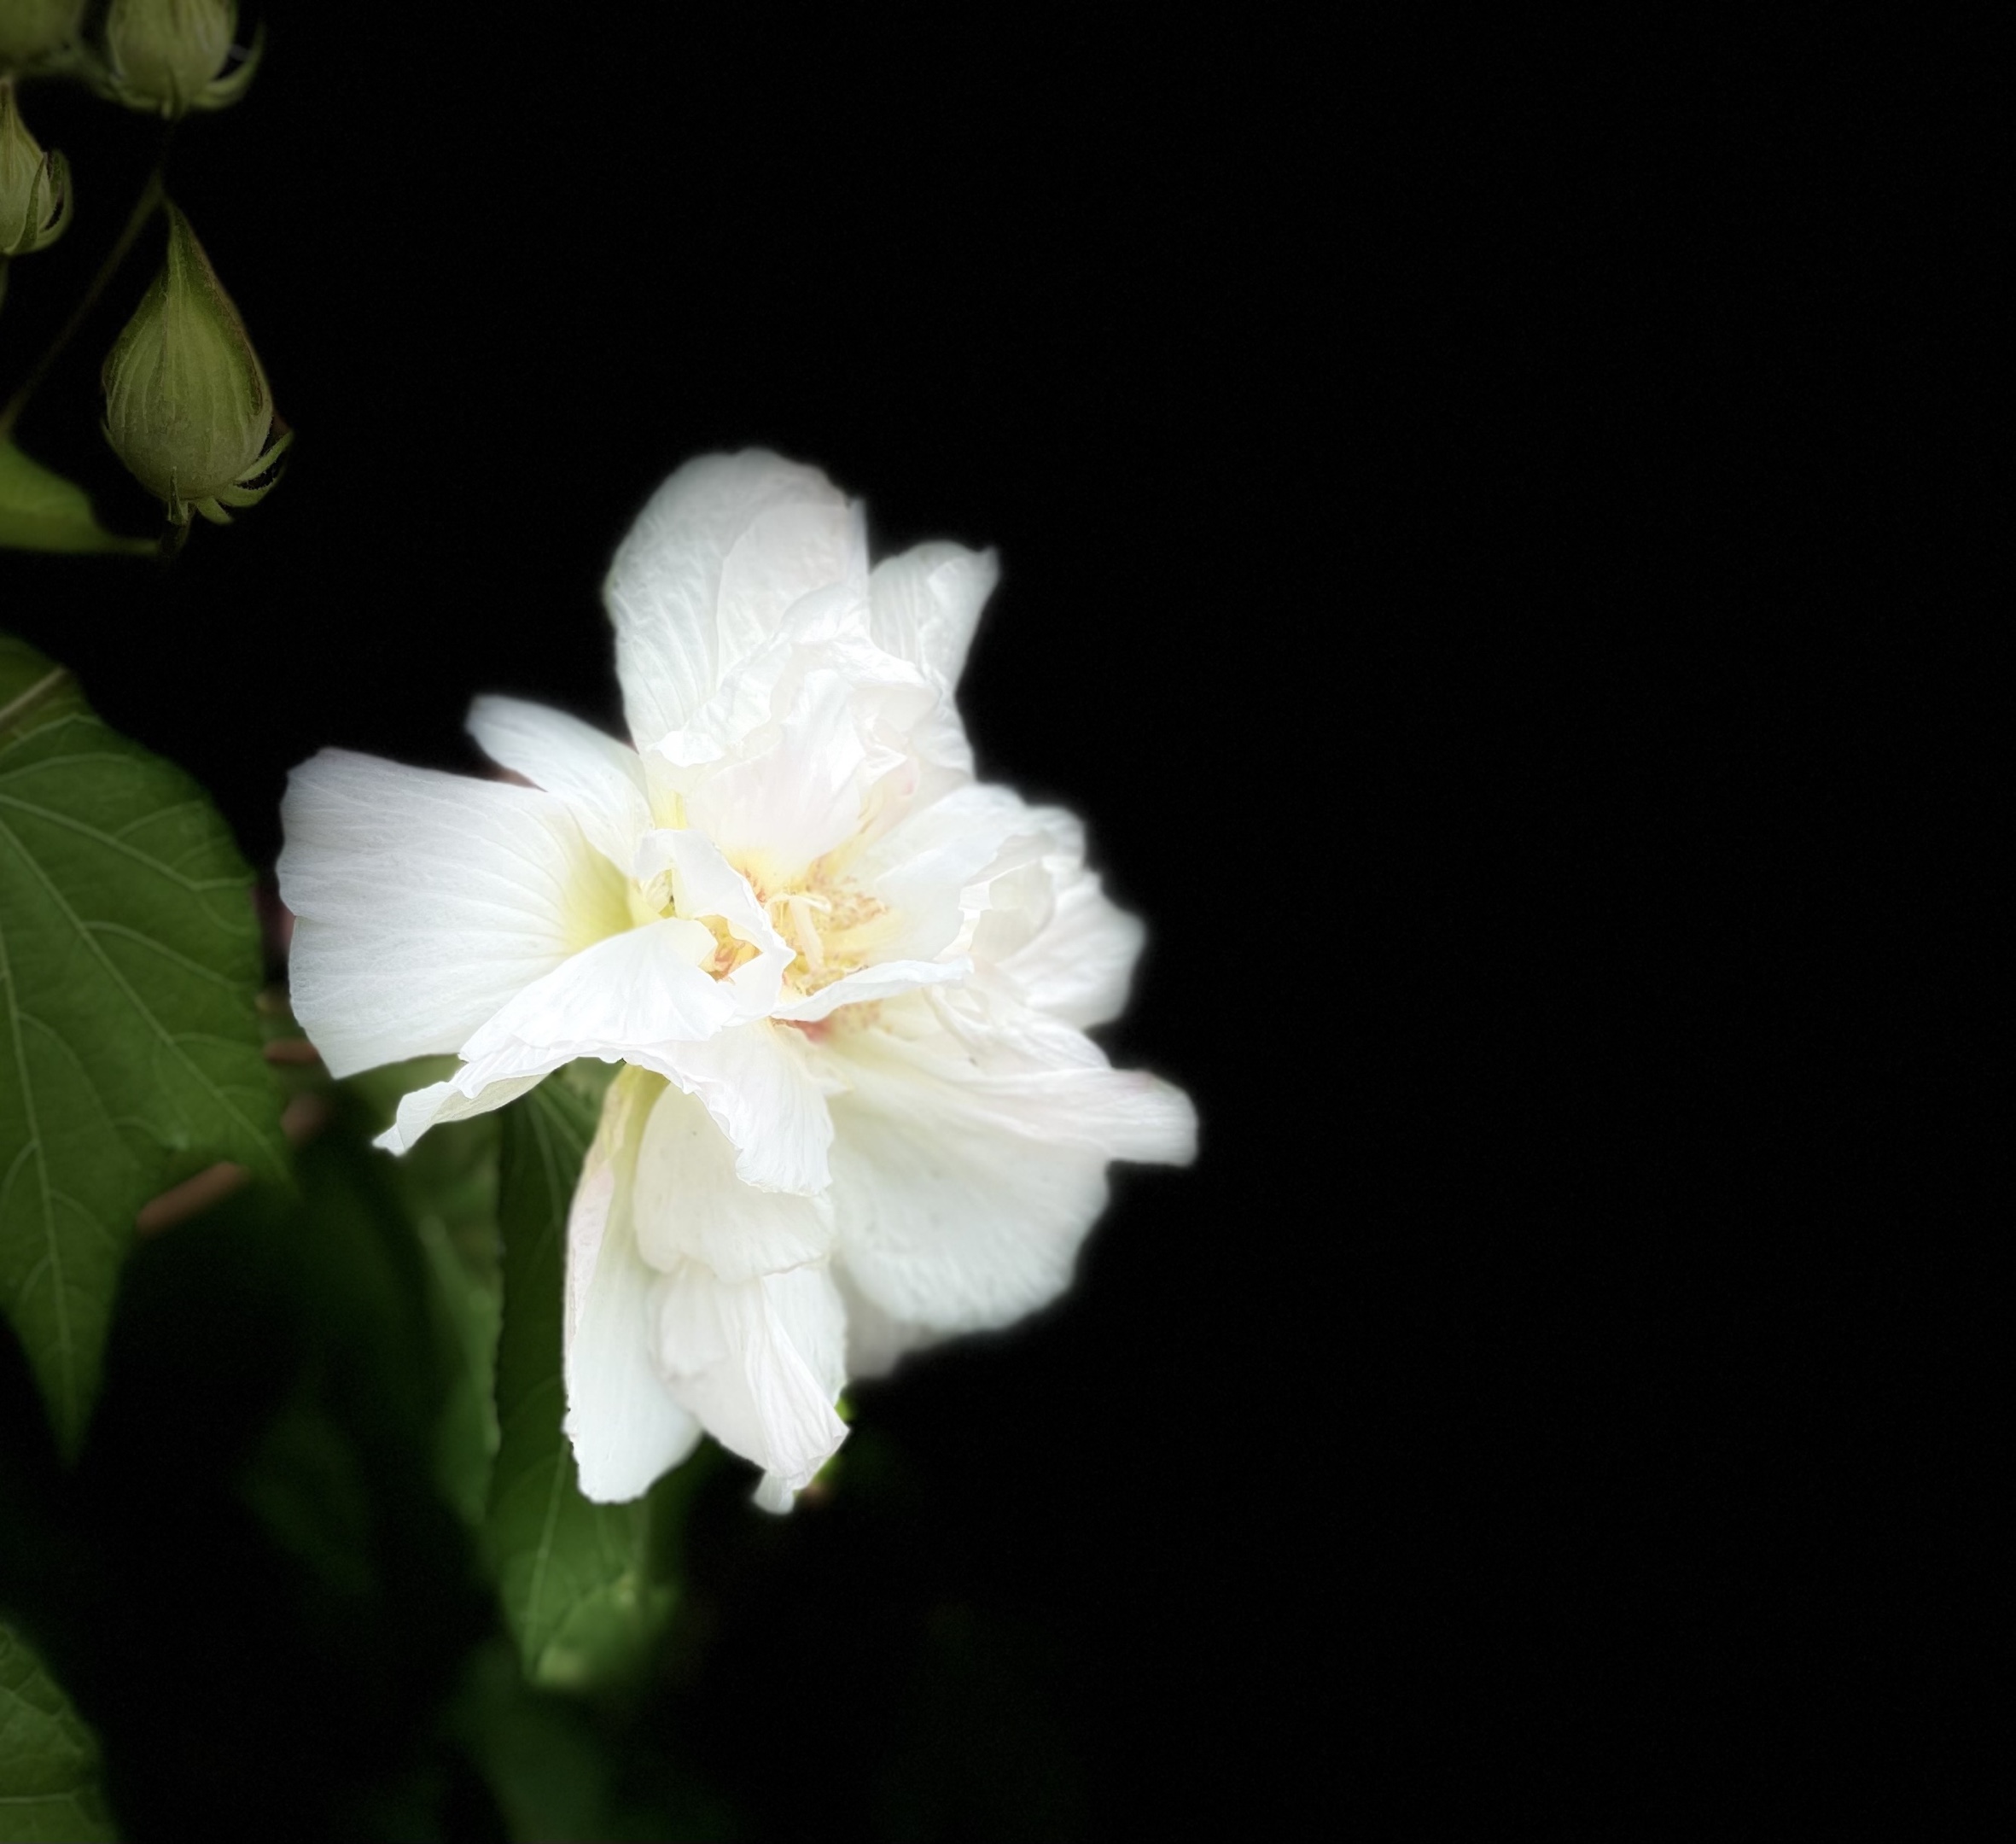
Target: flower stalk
x: 151, y: 192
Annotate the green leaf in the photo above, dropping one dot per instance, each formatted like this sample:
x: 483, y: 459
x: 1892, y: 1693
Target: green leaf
x: 575, y: 1577
x: 40, y: 510
x: 48, y: 1760
x: 267, y: 1597
x: 448, y: 1184
x: 129, y: 1055
x: 558, y: 1766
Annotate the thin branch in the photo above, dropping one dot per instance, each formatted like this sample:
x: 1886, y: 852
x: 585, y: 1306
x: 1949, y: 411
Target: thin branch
x: 144, y: 209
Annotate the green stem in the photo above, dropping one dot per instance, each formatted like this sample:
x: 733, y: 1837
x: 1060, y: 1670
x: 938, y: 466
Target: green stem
x: 144, y: 209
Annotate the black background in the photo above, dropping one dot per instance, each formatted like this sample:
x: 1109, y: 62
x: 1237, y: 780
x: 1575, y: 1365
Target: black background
x: 1423, y: 474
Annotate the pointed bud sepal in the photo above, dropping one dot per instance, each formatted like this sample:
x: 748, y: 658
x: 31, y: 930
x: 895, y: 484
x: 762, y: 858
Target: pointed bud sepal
x: 170, y: 57
x: 187, y: 406
x: 34, y: 186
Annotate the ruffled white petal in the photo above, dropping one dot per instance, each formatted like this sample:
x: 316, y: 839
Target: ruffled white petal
x: 690, y: 1206
x: 757, y: 690
x: 968, y: 1164
x: 1036, y: 1076
x: 937, y: 867
x: 601, y: 780
x: 471, y: 1090
x: 812, y: 550
x: 777, y: 811
x: 758, y: 1083
x: 626, y: 1427
x: 639, y: 988
x: 926, y: 604
x: 945, y: 1222
x: 760, y: 1363
x: 1078, y: 967
x: 712, y: 564
x: 887, y: 979
x: 424, y: 901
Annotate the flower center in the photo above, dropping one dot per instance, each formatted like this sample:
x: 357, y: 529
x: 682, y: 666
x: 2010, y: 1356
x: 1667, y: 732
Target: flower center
x: 834, y: 927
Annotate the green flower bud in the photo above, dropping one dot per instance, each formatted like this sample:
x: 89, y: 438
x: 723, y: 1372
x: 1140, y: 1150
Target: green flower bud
x: 33, y: 31
x: 187, y: 406
x: 167, y: 56
x: 34, y: 186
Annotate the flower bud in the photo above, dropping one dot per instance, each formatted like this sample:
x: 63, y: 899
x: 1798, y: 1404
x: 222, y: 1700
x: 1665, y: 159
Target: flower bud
x: 187, y: 406
x: 167, y: 56
x: 35, y: 32
x: 34, y: 186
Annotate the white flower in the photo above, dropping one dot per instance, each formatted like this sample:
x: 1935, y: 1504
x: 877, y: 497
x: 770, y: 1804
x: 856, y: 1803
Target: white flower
x: 850, y: 983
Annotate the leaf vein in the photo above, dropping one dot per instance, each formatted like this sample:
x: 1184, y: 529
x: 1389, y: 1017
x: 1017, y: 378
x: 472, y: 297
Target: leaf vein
x: 253, y: 1136
x: 98, y: 836
x: 51, y: 1258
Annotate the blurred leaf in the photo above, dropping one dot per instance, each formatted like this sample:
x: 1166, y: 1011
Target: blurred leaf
x: 40, y: 510
x: 48, y: 1760
x: 574, y: 1577
x: 547, y: 1767
x: 449, y: 1185
x: 452, y: 1197
x: 130, y: 966
x: 560, y: 1766
x: 272, y: 1603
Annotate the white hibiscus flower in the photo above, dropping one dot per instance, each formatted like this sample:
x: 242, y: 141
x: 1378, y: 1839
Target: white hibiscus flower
x: 849, y: 984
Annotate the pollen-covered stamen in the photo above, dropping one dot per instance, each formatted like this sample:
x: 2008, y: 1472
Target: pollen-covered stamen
x: 652, y: 900
x: 835, y: 928
x: 799, y: 924
x: 730, y: 950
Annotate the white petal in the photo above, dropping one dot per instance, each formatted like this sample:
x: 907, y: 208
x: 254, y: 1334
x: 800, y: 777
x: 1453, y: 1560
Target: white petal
x: 945, y: 1221
x: 1020, y: 904
x: 777, y: 811
x: 612, y: 1154
x: 704, y: 883
x: 935, y: 868
x: 876, y: 1340
x: 691, y: 1207
x: 941, y: 755
x: 601, y: 780
x: 887, y: 979
x: 758, y: 1083
x: 966, y: 1170
x: 745, y: 700
x: 635, y: 990
x: 722, y: 552
x: 425, y: 901
x: 1078, y: 967
x: 827, y: 630
x: 1033, y: 1076
x: 628, y: 1428
x: 465, y: 1094
x: 926, y: 605
x: 812, y: 550
x: 760, y: 1363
